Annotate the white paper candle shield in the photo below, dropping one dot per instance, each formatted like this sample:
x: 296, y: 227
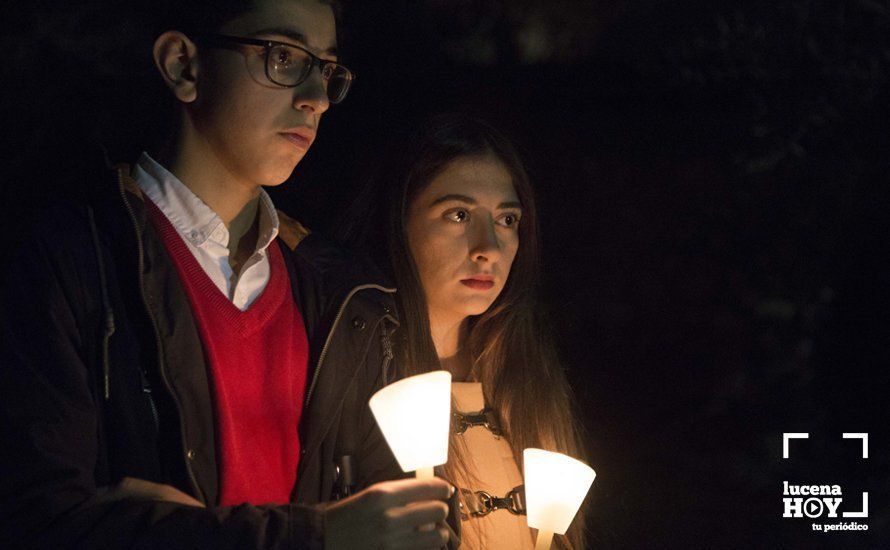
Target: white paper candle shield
x: 414, y: 415
x: 555, y: 487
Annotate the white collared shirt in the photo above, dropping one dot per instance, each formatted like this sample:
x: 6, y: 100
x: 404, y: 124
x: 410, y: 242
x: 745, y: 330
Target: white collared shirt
x: 205, y: 234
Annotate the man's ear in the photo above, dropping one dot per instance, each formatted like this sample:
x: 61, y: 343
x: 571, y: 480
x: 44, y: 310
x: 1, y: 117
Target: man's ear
x: 176, y: 57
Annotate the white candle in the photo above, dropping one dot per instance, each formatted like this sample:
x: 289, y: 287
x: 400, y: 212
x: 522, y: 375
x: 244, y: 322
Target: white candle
x: 414, y: 415
x: 555, y: 487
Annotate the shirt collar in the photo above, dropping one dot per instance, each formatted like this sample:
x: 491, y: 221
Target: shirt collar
x: 191, y: 217
x: 268, y: 222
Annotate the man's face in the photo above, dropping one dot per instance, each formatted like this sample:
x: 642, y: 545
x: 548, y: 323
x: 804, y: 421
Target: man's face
x: 259, y: 131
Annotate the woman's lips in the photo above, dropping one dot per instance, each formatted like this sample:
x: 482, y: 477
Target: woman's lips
x: 478, y: 284
x: 297, y: 140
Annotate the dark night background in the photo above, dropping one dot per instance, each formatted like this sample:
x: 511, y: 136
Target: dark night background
x: 712, y: 179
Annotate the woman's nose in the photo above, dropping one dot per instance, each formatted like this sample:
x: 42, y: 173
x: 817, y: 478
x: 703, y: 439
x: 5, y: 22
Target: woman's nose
x: 484, y: 244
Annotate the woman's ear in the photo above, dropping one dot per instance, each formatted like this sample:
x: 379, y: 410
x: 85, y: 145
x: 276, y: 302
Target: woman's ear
x: 176, y: 57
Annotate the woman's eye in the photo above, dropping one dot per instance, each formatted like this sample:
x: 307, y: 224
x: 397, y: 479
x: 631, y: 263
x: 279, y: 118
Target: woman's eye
x: 458, y: 216
x: 509, y: 220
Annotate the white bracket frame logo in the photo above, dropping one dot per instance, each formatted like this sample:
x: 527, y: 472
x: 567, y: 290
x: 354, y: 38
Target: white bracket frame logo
x: 787, y: 436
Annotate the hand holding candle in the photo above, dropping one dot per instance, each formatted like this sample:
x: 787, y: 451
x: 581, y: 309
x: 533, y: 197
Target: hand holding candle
x: 555, y: 487
x: 414, y: 415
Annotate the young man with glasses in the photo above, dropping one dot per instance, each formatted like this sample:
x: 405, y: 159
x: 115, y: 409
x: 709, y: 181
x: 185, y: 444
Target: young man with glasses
x: 182, y: 365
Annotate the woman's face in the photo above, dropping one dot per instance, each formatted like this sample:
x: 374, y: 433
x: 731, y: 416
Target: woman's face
x: 463, y: 235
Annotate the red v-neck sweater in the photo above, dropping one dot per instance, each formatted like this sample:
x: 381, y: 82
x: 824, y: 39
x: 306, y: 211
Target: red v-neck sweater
x: 258, y: 361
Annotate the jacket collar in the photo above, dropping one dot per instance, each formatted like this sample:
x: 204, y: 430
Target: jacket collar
x: 290, y: 231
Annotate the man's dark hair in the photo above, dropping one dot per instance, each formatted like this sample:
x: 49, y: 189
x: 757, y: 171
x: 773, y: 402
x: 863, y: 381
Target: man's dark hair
x: 206, y: 16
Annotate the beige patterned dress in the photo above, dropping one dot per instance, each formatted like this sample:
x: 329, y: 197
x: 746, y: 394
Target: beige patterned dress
x: 496, y: 472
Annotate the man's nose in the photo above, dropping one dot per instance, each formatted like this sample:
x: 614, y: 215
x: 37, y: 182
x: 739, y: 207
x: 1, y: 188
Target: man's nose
x: 484, y: 244
x: 311, y: 95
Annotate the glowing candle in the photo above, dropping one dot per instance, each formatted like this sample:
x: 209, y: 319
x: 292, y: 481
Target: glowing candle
x: 414, y: 415
x: 555, y: 487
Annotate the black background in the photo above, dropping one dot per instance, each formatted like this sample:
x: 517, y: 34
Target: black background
x: 712, y: 181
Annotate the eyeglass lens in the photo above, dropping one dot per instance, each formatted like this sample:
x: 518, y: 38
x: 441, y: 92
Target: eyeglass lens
x: 290, y: 66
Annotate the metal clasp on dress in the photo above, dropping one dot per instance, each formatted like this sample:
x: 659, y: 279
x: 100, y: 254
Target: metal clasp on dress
x: 482, y: 503
x: 485, y: 418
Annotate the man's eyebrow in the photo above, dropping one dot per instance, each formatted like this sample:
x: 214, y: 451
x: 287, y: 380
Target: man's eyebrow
x: 510, y: 204
x: 295, y: 36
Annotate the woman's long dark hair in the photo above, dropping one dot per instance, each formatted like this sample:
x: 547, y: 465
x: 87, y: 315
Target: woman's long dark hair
x: 511, y: 348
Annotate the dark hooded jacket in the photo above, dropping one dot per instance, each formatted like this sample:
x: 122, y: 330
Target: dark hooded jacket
x: 103, y: 376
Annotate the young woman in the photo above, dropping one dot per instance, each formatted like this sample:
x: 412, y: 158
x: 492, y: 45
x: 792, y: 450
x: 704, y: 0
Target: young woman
x: 457, y: 215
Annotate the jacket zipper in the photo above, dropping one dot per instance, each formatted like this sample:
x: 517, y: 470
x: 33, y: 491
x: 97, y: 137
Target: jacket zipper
x: 327, y: 342
x: 387, y: 355
x: 146, y: 389
x: 108, y: 315
x: 158, y: 346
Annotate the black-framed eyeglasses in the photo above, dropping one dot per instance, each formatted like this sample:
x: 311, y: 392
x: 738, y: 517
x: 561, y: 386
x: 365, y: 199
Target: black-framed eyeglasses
x: 290, y: 65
